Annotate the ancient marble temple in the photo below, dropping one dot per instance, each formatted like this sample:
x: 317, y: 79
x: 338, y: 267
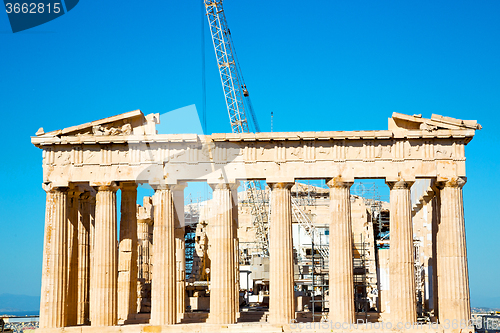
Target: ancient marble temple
x: 90, y: 271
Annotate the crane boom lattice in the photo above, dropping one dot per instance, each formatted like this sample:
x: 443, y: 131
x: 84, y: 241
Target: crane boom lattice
x: 235, y: 91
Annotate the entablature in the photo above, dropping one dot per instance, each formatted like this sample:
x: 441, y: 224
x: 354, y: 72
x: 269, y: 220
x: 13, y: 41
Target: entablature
x: 412, y: 147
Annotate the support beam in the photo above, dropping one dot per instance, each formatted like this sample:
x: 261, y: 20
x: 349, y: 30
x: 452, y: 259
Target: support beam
x: 341, y: 272
x: 281, y: 281
x: 452, y: 270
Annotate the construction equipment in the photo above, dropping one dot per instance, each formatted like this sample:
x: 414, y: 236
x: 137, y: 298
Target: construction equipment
x: 236, y: 96
x: 311, y: 231
x: 238, y: 101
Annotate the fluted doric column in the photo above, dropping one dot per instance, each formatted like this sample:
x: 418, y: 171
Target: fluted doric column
x: 401, y: 260
x: 234, y: 194
x: 281, y: 281
x: 55, y: 263
x: 84, y: 218
x: 452, y: 270
x: 222, y: 289
x: 73, y: 221
x: 104, y: 282
x: 341, y: 272
x: 163, y: 308
x: 127, y: 256
x: 180, y: 273
x: 180, y: 251
x: 91, y: 201
x: 144, y: 227
x: 236, y: 276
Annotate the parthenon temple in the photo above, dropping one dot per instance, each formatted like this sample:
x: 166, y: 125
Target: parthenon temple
x: 316, y: 253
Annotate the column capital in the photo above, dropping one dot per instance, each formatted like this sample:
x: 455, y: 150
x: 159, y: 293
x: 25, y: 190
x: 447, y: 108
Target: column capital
x: 452, y: 182
x: 75, y: 190
x: 160, y: 187
x: 173, y: 187
x: 179, y: 186
x: 281, y: 185
x: 224, y: 186
x: 49, y: 187
x: 146, y: 221
x: 338, y: 182
x: 113, y: 187
x: 86, y: 196
x: 400, y: 184
x: 128, y: 186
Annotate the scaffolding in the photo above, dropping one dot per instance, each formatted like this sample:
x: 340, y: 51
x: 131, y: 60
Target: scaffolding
x: 320, y: 282
x: 312, y: 258
x: 308, y: 226
x: 373, y: 199
x: 419, y: 278
x: 312, y: 279
x: 365, y: 287
x: 191, y: 219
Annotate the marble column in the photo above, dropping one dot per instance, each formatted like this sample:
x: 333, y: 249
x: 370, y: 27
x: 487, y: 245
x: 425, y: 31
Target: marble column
x: 180, y: 250
x: 92, y: 200
x: 341, y: 271
x: 84, y: 217
x: 180, y: 273
x: 104, y: 282
x: 236, y: 276
x: 222, y: 289
x: 281, y: 281
x: 401, y: 259
x: 144, y: 227
x: 163, y: 308
x: 55, y: 262
x: 234, y: 194
x: 73, y: 221
x: 127, y: 255
x: 145, y: 245
x: 452, y: 270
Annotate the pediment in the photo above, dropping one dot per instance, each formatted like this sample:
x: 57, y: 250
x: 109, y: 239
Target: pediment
x: 129, y: 123
x: 436, y: 122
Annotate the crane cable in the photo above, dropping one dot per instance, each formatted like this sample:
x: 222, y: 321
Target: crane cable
x: 203, y: 86
x: 243, y: 87
x: 203, y: 76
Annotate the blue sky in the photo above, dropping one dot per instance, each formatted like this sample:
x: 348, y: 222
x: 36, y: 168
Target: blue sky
x: 318, y: 65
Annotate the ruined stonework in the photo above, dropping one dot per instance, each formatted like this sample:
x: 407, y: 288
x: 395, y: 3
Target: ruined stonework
x: 95, y: 277
x: 145, y: 246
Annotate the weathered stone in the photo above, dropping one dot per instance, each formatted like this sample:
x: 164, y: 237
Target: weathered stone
x: 103, y: 301
x: 80, y: 234
x: 452, y: 270
x: 163, y: 308
x: 127, y: 257
x: 53, y: 296
x: 222, y: 274
x: 341, y: 285
x: 401, y: 260
x: 281, y: 281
